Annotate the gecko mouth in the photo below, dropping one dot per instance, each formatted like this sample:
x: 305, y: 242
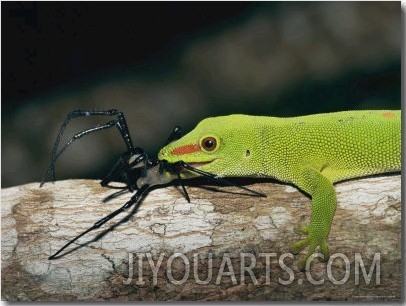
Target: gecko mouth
x: 199, y: 164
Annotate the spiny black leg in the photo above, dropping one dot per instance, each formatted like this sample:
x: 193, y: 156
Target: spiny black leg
x: 120, y: 123
x: 135, y: 199
x: 218, y: 179
x: 86, y: 113
x: 165, y: 166
x: 183, y: 187
x: 175, y: 135
x: 130, y: 166
x: 77, y: 136
x: 117, y: 169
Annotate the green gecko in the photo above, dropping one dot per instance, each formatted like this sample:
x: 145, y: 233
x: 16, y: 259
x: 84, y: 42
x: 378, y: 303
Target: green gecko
x: 311, y: 152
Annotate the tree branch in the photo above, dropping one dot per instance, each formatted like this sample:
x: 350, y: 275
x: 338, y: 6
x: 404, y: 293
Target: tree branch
x: 218, y: 232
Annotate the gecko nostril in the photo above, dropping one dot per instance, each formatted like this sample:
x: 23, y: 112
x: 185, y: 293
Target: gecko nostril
x: 247, y: 153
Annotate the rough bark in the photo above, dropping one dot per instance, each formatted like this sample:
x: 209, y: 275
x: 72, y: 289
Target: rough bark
x: 220, y: 232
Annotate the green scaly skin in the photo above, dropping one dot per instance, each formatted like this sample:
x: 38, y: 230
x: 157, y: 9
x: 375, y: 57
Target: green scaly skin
x: 311, y: 152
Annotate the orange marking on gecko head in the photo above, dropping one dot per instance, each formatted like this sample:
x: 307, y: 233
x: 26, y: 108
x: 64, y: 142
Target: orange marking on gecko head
x: 191, y: 148
x: 388, y: 115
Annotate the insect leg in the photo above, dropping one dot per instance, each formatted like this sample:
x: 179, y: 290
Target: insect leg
x: 163, y: 166
x: 130, y: 166
x: 183, y: 187
x: 135, y: 199
x: 120, y: 123
x: 86, y: 113
x: 175, y: 135
x: 218, y: 179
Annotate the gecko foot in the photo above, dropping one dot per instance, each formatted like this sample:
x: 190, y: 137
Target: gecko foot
x: 313, y: 240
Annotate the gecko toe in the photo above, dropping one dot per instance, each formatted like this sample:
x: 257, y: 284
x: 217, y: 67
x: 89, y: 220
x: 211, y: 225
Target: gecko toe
x: 324, y: 249
x: 299, y: 246
x: 303, y: 262
x: 302, y: 229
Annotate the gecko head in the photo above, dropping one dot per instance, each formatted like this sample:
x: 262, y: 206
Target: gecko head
x: 198, y: 148
x: 205, y: 147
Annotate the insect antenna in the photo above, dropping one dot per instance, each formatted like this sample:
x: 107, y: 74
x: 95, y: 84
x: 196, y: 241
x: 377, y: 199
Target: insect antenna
x: 135, y: 199
x: 218, y: 179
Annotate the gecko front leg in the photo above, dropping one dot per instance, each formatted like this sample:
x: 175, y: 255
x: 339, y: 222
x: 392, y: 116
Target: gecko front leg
x: 324, y: 202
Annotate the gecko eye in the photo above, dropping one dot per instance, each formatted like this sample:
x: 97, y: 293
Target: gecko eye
x: 209, y: 144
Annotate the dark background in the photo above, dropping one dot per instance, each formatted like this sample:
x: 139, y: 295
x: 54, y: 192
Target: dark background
x: 175, y: 63
x: 49, y: 44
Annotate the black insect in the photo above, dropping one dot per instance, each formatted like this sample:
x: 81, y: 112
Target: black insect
x: 134, y: 167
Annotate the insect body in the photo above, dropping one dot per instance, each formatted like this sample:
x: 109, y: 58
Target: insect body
x: 134, y: 166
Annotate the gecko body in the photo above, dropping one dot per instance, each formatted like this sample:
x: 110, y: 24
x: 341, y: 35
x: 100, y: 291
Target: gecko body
x: 312, y: 152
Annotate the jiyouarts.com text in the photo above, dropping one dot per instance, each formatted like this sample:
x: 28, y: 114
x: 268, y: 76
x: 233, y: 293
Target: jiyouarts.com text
x: 245, y: 268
